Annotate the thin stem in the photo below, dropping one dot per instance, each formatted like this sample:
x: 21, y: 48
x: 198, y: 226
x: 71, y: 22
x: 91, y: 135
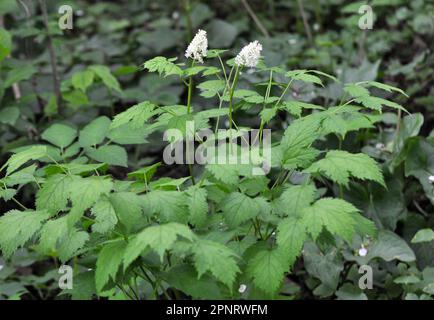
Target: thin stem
x: 305, y: 22
x: 231, y: 95
x: 190, y: 93
x: 53, y: 59
x: 187, y: 8
x: 255, y: 18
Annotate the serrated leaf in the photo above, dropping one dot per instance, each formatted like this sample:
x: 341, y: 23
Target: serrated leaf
x: 105, y: 216
x: 238, y: 208
x: 294, y: 199
x: 95, y: 132
x: 216, y: 258
x: 20, y: 158
x: 267, y: 267
x: 54, y: 194
x: 108, y: 263
x: 169, y: 205
x: 82, y: 80
x: 69, y: 247
x: 111, y: 154
x: 106, y: 76
x: 128, y: 208
x: 291, y: 235
x: 340, y: 165
x: 17, y: 227
x: 197, y: 205
x: 355, y: 90
x: 211, y: 88
x: 137, y: 115
x: 333, y: 214
x: 7, y: 194
x: 163, y: 66
x: 159, y: 238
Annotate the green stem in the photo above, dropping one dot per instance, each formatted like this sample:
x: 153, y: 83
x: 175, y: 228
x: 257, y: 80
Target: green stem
x: 231, y: 95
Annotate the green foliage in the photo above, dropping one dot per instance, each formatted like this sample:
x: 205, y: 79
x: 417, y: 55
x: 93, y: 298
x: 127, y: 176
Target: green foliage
x: 82, y: 180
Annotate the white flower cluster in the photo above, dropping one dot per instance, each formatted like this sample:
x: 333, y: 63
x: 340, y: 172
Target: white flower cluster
x: 198, y: 47
x: 431, y: 178
x: 249, y: 55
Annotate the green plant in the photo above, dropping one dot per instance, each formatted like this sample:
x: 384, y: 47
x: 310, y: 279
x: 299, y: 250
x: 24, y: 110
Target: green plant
x: 206, y: 234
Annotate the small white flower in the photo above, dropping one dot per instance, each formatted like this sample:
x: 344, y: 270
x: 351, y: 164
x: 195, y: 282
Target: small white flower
x: 242, y: 288
x: 379, y: 146
x: 1, y: 267
x: 292, y: 41
x: 249, y: 55
x: 431, y: 179
x: 363, y: 251
x: 198, y: 47
x: 175, y: 15
x: 316, y: 26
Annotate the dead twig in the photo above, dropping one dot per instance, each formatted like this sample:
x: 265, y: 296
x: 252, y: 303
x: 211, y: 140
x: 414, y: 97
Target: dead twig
x: 53, y: 59
x: 255, y: 18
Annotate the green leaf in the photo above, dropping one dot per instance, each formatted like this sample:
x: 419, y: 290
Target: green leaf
x: 294, y: 199
x: 17, y: 227
x: 185, y: 278
x: 355, y: 90
x: 54, y: 194
x: 238, y: 208
x: 291, y: 235
x: 108, y: 263
x: 295, y: 107
x: 51, y: 233
x: 303, y: 75
x: 95, y: 132
x: 163, y: 66
x: 216, y: 258
x: 383, y: 86
x: 410, y: 279
x: 128, y: 209
x: 376, y: 103
x: 390, y: 246
x: 69, y: 247
x: 169, y: 205
x: 85, y: 192
x: 333, y: 214
x: 145, y: 174
x: 105, y: 216
x: 23, y: 72
x: 159, y: 238
x: 5, y: 44
x: 60, y: 135
x: 110, y: 154
x: 267, y: 267
x: 9, y: 115
x: 82, y: 80
x: 197, y: 205
x: 210, y: 88
x: 225, y: 173
x: 424, y: 235
x: 20, y: 158
x: 340, y: 165
x: 106, y: 76
x: 137, y: 115
x: 7, y: 194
